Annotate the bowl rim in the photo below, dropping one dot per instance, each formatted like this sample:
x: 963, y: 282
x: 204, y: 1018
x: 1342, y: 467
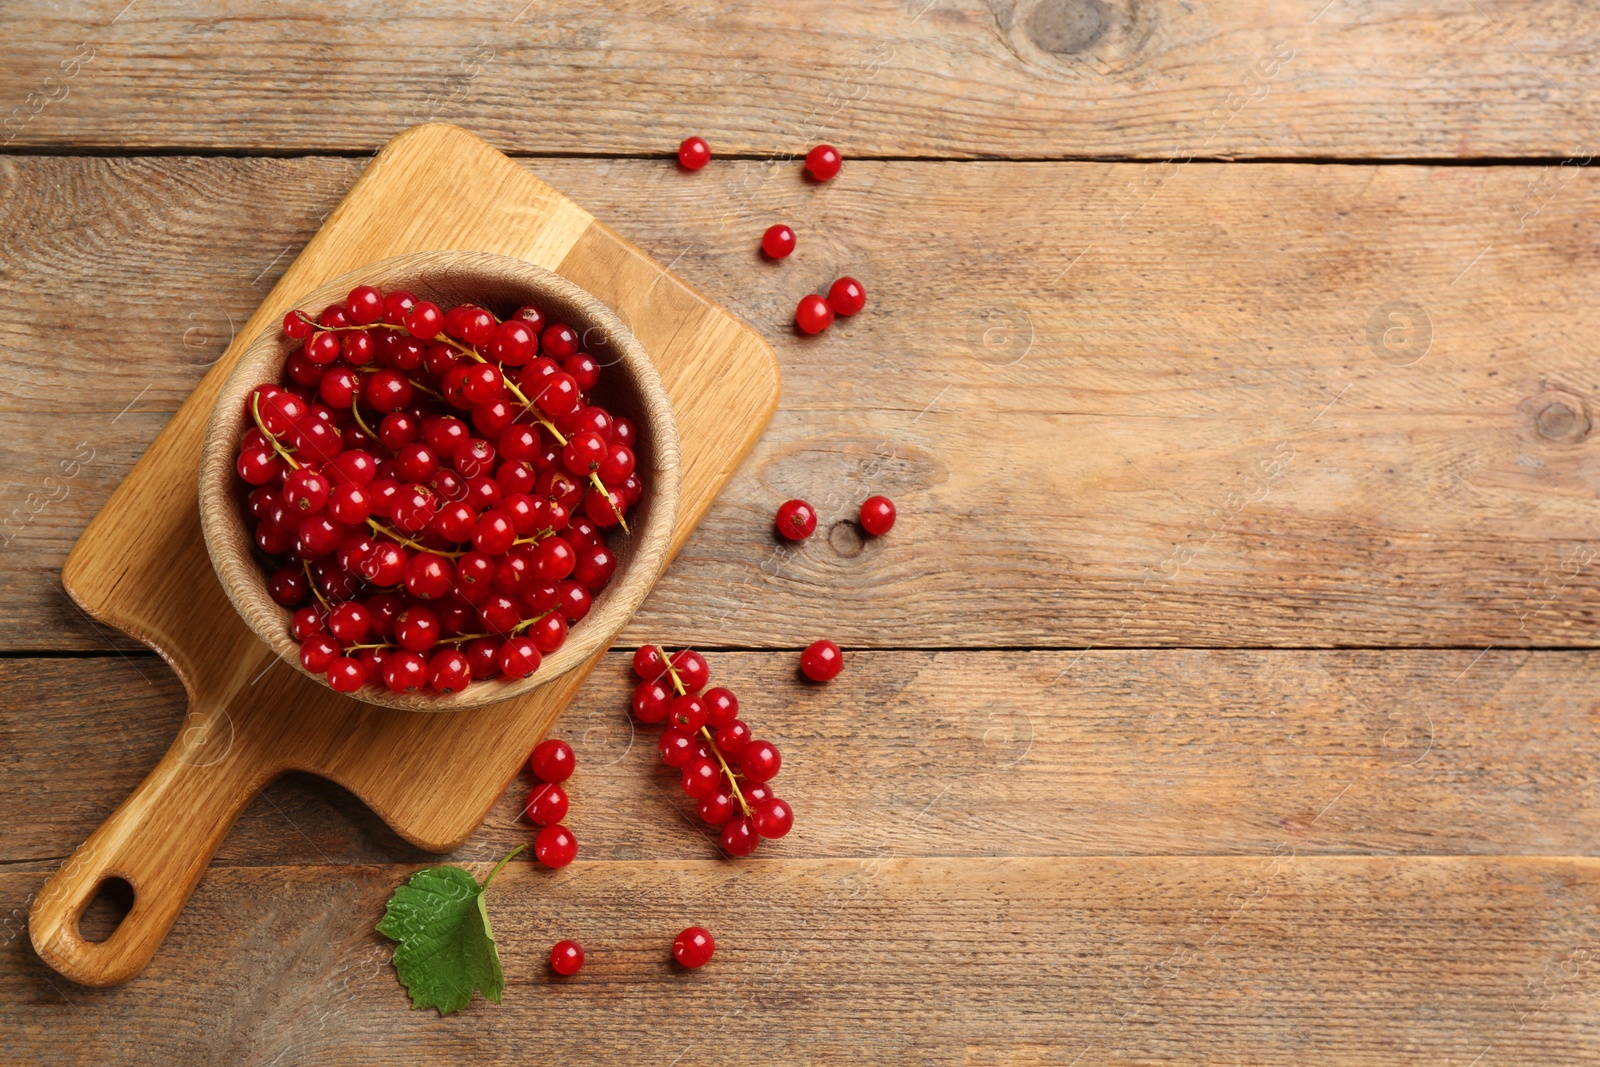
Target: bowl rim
x: 229, y: 542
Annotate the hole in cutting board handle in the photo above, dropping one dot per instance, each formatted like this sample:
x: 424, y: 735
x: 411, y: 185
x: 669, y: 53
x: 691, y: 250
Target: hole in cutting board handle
x: 111, y: 903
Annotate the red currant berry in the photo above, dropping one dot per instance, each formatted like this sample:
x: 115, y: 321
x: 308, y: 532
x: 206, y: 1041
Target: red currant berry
x: 259, y: 465
x: 778, y: 241
x: 596, y: 565
x: 733, y: 737
x: 387, y: 390
x: 694, y: 153
x: 813, y: 315
x: 322, y: 348
x: 566, y: 957
x: 651, y: 702
x: 694, y: 947
x: 846, y: 297
x: 494, y: 533
x: 773, y: 817
x: 549, y: 633
x: 552, y: 760
x: 288, y: 586
x: 349, y: 504
x: 717, y: 808
x: 722, y: 707
x: 428, y: 576
x: 519, y: 657
x: 547, y: 804
x: 693, y: 671
x: 483, y: 654
x: 415, y: 463
x: 416, y: 629
x: 306, y: 491
x: 364, y: 305
x: 760, y: 761
x: 821, y: 661
x: 296, y: 326
x: 739, y: 837
x: 554, y: 559
x: 555, y: 846
x: 405, y: 672
x: 318, y: 652
x: 514, y: 342
x: 346, y: 675
x: 396, y: 306
x: 877, y: 515
x: 688, y: 713
x: 677, y: 748
x: 355, y: 467
x: 647, y: 663
x: 350, y: 622
x: 307, y: 622
x: 822, y: 162
x: 449, y: 671
x: 617, y: 465
x: 424, y: 321
x: 700, y: 777
x: 532, y: 316
x: 797, y: 520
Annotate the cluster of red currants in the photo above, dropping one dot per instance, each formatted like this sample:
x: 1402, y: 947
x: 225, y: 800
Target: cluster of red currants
x: 552, y: 763
x: 846, y: 296
x: 433, y: 489
x: 723, y: 766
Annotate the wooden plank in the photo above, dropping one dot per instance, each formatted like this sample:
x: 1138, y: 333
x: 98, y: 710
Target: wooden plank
x: 1194, y: 429
x: 1279, y: 959
x: 984, y: 78
x: 1139, y: 753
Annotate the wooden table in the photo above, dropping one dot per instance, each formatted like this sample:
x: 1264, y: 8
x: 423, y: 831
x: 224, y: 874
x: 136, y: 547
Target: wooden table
x: 1226, y: 691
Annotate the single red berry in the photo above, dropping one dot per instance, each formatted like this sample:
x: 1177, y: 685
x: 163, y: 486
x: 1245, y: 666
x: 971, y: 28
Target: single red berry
x: 717, y: 808
x: 364, y: 305
x: 739, y: 837
x: 350, y: 622
x: 555, y: 846
x: 813, y: 315
x: 778, y: 241
x: 700, y: 777
x: 308, y: 621
x: 733, y: 737
x: 677, y: 748
x: 547, y: 804
x: 797, y: 520
x: 877, y: 515
x: 822, y: 162
x: 693, y: 671
x: 288, y: 586
x: 552, y: 760
x: 549, y: 633
x: 424, y: 320
x: 519, y: 657
x: 296, y: 326
x: 651, y: 702
x: 416, y: 629
x: 694, y: 947
x: 566, y: 957
x: 694, y: 153
x: 688, y: 713
x: 559, y: 341
x: 760, y: 761
x: 449, y: 671
x: 846, y: 296
x: 346, y: 675
x: 773, y: 817
x: 722, y: 707
x: 821, y: 661
x: 405, y: 672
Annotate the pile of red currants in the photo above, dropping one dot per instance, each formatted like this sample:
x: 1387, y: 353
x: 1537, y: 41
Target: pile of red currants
x: 432, y: 490
x: 723, y: 766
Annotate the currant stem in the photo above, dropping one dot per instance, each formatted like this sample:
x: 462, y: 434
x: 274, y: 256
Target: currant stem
x: 598, y: 484
x: 404, y: 540
x: 677, y: 683
x: 255, y: 409
x: 307, y: 565
x: 355, y: 409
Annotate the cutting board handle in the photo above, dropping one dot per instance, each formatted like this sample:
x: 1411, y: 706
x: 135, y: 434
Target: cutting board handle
x: 160, y: 840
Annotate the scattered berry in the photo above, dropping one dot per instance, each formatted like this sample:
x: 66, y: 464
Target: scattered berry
x: 821, y: 661
x: 846, y: 297
x: 822, y: 162
x: 778, y: 241
x: 694, y: 153
x: 566, y: 957
x: 547, y: 804
x: 694, y: 947
x: 877, y: 515
x: 813, y: 315
x: 552, y: 761
x: 797, y: 520
x: 555, y: 846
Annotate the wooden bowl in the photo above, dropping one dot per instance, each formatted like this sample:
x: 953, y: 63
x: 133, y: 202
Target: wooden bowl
x: 629, y: 386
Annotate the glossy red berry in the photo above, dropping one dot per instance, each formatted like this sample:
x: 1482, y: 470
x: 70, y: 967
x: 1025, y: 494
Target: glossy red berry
x: 693, y: 671
x: 733, y: 737
x: 449, y: 671
x: 405, y: 672
x: 424, y: 320
x: 364, y: 305
x: 846, y: 296
x: 760, y: 761
x: 296, y: 326
x: 688, y: 713
x: 566, y: 957
x: 813, y: 315
x: 651, y: 702
x: 346, y: 675
x: 547, y: 804
x: 694, y: 153
x: 552, y: 760
x: 717, y: 808
x: 821, y: 661
x: 694, y: 947
x: 778, y: 241
x: 773, y: 817
x: 822, y: 162
x: 555, y: 846
x: 739, y: 837
x: 796, y: 520
x: 519, y: 657
x: 700, y: 777
x: 877, y: 515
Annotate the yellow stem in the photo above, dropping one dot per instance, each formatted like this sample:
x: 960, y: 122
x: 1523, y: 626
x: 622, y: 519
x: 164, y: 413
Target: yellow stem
x: 404, y: 540
x: 255, y: 409
x: 705, y: 731
x: 307, y: 565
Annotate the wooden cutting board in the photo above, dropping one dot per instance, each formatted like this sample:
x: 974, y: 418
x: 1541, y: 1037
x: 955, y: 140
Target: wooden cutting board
x: 141, y: 564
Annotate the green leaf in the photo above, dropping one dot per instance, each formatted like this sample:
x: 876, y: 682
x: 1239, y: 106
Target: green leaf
x: 446, y: 948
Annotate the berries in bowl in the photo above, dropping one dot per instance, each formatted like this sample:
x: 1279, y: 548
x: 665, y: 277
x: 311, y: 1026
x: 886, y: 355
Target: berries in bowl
x: 440, y: 481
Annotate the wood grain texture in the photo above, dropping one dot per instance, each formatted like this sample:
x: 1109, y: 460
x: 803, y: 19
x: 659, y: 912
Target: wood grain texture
x: 970, y: 754
x: 141, y: 565
x: 980, y: 78
x: 1191, y: 427
x: 890, y: 959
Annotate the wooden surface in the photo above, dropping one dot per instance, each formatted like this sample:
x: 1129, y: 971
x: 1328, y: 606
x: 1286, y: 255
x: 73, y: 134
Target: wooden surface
x: 142, y: 567
x: 1222, y: 835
